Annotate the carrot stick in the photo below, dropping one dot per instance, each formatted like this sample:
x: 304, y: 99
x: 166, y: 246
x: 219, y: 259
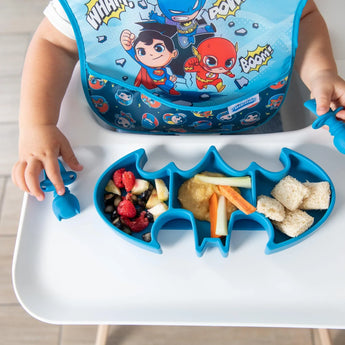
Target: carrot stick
x: 213, y: 206
x: 237, y: 199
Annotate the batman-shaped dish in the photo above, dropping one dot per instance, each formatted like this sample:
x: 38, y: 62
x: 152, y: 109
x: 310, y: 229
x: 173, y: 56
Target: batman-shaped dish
x: 263, y: 181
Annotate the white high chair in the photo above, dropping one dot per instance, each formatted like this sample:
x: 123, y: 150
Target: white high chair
x: 79, y: 272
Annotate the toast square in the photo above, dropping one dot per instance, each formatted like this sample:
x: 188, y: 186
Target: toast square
x: 290, y: 192
x: 319, y: 196
x: 295, y: 223
x: 271, y: 208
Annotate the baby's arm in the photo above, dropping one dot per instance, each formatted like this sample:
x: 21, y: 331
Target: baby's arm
x: 316, y: 64
x: 48, y: 67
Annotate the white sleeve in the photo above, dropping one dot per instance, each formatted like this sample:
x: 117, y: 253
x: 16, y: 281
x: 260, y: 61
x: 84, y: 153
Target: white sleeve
x: 58, y: 18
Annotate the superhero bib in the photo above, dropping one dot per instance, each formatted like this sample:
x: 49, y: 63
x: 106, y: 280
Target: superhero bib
x: 185, y: 66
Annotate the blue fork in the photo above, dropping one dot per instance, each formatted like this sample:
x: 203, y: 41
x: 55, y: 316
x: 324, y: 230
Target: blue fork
x: 67, y: 205
x: 336, y: 127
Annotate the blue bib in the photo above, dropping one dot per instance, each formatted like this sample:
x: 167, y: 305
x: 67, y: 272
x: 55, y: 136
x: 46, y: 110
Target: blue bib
x: 184, y: 66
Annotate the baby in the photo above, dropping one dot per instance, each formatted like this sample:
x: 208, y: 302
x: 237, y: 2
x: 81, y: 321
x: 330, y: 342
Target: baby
x: 55, y: 52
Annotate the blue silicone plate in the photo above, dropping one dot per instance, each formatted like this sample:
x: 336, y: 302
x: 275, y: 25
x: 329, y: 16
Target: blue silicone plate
x: 263, y: 181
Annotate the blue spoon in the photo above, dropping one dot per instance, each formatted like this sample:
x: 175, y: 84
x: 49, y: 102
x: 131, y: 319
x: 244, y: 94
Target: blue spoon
x: 336, y: 127
x: 67, y: 205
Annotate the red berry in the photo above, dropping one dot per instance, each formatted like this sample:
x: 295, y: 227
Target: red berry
x: 126, y: 209
x: 128, y: 196
x: 137, y: 224
x: 128, y: 179
x: 117, y: 177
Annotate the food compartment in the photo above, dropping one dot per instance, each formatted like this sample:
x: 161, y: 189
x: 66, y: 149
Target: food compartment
x: 251, y: 183
x: 130, y: 200
x: 194, y: 189
x: 304, y: 193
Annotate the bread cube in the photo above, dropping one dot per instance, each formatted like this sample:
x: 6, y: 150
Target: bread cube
x: 295, y: 223
x: 290, y: 192
x: 319, y: 196
x: 271, y: 208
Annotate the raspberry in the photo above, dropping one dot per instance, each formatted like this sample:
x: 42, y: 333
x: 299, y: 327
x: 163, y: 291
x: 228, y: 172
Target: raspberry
x: 128, y: 196
x: 126, y: 209
x: 137, y: 224
x: 128, y: 179
x: 117, y: 177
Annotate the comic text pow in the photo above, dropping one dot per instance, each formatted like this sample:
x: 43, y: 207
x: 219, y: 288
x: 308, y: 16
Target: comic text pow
x: 100, y: 11
x: 256, y: 59
x: 224, y: 8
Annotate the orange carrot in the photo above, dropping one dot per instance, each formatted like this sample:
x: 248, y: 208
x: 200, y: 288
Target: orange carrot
x: 237, y: 199
x: 213, y: 206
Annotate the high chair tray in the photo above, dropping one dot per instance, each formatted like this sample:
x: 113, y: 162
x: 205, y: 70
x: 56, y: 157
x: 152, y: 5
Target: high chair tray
x: 78, y: 271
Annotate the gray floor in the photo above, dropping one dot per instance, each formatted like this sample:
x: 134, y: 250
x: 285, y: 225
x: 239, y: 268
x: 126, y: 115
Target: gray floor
x: 18, y: 19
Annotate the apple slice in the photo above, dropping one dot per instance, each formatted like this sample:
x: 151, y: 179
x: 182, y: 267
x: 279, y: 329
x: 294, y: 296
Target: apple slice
x: 158, y: 209
x: 140, y: 186
x: 162, y: 190
x: 153, y: 199
x: 112, y: 188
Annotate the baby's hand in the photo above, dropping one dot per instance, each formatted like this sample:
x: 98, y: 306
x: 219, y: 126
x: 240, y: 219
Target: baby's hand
x: 39, y: 148
x: 329, y: 91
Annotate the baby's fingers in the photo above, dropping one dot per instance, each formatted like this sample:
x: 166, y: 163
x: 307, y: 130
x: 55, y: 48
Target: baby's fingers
x: 31, y: 175
x: 322, y: 93
x: 70, y: 158
x: 18, y: 176
x: 341, y: 115
x: 52, y: 170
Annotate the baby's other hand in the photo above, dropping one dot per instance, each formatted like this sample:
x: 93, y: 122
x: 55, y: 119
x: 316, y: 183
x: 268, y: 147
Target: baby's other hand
x: 39, y: 148
x: 329, y: 91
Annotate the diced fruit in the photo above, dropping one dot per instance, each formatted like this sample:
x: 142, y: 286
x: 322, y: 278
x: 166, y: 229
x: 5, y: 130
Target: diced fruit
x: 147, y: 237
x: 117, y: 200
x: 158, y: 209
x: 143, y: 197
x: 127, y: 200
x: 117, y: 177
x: 129, y: 197
x: 138, y: 224
x: 153, y: 199
x: 109, y: 199
x: 241, y: 181
x: 109, y: 209
x: 117, y: 222
x: 149, y: 216
x: 114, y: 215
x: 126, y: 230
x: 128, y: 180
x: 162, y: 190
x: 111, y: 188
x: 140, y: 186
x: 126, y: 209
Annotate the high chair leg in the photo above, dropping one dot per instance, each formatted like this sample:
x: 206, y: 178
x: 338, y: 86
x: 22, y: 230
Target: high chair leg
x: 102, y: 334
x: 325, y: 336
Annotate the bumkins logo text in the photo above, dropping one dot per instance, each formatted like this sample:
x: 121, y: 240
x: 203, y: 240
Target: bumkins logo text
x: 100, y: 11
x: 256, y: 59
x: 224, y: 8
